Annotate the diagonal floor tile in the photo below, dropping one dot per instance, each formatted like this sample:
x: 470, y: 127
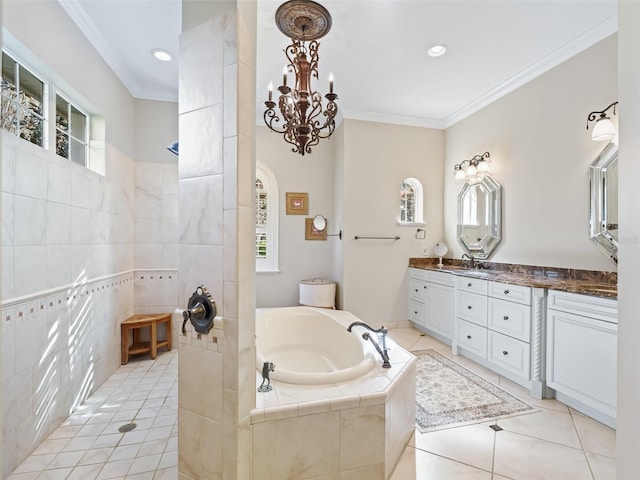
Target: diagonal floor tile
x: 418, y: 465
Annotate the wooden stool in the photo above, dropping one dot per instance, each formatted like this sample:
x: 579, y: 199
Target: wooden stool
x: 138, y: 322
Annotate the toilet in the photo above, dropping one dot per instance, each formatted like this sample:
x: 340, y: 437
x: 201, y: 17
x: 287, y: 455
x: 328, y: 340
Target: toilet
x: 318, y: 293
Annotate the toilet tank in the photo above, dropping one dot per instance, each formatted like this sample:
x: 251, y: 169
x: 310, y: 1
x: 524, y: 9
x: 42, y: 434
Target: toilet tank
x: 318, y: 293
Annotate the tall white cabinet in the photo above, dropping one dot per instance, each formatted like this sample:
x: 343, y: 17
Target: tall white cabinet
x: 582, y: 351
x: 431, y: 296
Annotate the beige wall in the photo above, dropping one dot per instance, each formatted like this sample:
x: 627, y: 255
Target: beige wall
x: 377, y: 159
x: 156, y: 127
x: 628, y: 441
x: 540, y: 154
x: 299, y: 259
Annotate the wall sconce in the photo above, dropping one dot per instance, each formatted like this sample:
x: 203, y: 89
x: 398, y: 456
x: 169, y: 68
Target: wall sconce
x: 473, y: 170
x: 604, y: 128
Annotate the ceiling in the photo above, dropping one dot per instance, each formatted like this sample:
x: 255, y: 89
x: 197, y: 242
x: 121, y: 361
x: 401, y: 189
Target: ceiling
x: 376, y: 50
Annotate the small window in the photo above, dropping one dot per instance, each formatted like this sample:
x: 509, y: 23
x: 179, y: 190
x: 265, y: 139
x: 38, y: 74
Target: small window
x: 266, y: 220
x: 22, y: 102
x: 71, y: 131
x: 411, y: 202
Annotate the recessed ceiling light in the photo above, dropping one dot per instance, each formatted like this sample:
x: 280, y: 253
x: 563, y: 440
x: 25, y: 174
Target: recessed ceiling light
x: 437, y: 50
x: 161, y: 54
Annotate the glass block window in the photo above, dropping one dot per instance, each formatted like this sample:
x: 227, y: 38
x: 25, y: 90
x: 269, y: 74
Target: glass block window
x: 71, y: 131
x: 22, y: 102
x: 411, y: 203
x: 266, y: 197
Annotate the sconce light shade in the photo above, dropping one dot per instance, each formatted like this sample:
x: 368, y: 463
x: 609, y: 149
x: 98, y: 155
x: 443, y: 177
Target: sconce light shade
x: 173, y: 148
x: 483, y: 168
x: 459, y: 174
x: 603, y: 130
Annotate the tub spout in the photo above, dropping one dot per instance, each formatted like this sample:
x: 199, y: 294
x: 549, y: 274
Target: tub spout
x: 382, y: 335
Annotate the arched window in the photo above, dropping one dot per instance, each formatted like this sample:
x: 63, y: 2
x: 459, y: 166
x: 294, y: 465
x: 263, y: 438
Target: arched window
x: 411, y: 202
x: 266, y: 220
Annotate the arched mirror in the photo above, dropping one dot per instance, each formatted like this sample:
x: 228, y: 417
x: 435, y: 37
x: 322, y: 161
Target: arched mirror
x: 480, y: 217
x: 603, y: 204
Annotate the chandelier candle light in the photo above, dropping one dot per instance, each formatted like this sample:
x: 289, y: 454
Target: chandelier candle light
x: 303, y: 21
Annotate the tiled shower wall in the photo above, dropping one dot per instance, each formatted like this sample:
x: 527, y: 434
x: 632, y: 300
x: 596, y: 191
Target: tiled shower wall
x: 68, y: 278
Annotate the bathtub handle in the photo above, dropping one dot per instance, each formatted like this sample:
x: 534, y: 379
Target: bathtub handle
x: 201, y: 311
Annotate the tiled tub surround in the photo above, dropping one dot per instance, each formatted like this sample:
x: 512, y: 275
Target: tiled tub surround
x: 585, y: 282
x: 355, y: 429
x: 60, y: 345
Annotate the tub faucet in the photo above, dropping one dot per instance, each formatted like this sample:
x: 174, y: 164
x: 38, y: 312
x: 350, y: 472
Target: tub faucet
x: 382, y: 335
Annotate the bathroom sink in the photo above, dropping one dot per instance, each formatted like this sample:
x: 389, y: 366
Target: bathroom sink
x: 478, y: 273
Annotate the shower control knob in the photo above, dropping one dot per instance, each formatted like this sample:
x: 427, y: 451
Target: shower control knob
x: 200, y: 312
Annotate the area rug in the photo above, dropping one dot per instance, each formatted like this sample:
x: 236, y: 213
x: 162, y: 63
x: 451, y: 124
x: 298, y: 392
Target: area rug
x: 448, y: 395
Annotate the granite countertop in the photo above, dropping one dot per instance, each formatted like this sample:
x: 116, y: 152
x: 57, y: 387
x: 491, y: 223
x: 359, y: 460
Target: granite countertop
x: 585, y: 282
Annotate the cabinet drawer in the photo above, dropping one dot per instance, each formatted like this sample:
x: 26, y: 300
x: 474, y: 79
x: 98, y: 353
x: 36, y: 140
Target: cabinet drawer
x: 472, y: 337
x: 442, y: 278
x: 469, y: 284
x: 605, y: 309
x: 471, y: 307
x: 509, y: 354
x: 513, y: 319
x: 417, y: 273
x: 514, y: 293
x: 417, y: 312
x: 417, y: 290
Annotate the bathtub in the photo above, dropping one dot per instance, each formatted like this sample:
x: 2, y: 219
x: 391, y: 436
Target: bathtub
x: 330, y: 392
x: 311, y: 346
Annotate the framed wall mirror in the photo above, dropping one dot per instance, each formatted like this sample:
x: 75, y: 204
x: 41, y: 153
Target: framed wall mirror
x: 603, y: 201
x: 480, y: 217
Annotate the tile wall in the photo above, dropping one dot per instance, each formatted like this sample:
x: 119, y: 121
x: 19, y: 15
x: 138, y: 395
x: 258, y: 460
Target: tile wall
x: 68, y: 278
x: 217, y: 243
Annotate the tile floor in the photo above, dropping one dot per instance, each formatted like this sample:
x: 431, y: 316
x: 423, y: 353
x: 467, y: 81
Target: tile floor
x: 88, y: 445
x: 555, y: 443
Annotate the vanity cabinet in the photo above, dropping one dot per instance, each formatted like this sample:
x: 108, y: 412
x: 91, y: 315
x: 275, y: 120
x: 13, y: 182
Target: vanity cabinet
x: 431, y: 302
x: 581, y: 352
x: 493, y: 323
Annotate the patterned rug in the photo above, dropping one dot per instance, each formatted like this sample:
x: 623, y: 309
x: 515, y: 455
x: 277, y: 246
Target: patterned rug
x: 448, y: 395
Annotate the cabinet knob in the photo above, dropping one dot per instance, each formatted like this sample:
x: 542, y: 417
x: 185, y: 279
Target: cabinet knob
x: 506, y: 292
x: 468, y: 307
x: 504, y: 352
x: 425, y: 287
x: 469, y: 284
x: 415, y: 313
x: 469, y: 337
x: 416, y: 290
x: 506, y: 317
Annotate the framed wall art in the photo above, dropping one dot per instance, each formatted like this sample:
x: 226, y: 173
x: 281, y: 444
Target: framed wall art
x: 297, y: 203
x: 311, y: 232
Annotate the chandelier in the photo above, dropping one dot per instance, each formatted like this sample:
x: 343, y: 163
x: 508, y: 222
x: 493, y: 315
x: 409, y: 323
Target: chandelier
x: 300, y: 116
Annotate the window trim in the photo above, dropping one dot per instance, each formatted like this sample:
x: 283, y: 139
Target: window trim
x: 271, y: 263
x: 419, y: 204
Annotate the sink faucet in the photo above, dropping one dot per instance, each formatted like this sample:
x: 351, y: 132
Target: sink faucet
x: 382, y: 335
x: 471, y: 262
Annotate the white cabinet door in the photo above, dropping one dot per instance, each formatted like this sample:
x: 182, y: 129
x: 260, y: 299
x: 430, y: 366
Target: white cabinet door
x: 440, y: 309
x: 581, y: 359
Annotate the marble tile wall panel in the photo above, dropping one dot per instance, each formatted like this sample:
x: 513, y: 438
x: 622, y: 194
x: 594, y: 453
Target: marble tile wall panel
x: 57, y: 348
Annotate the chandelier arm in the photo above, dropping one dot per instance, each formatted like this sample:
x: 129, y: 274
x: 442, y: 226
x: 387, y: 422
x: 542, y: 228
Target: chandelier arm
x: 313, y: 62
x: 270, y: 117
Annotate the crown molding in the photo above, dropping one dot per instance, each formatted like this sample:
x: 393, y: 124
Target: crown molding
x: 589, y: 38
x: 76, y: 12
x: 392, y: 119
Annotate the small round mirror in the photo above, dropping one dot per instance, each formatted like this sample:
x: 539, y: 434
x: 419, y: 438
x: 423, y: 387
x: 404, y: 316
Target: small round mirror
x: 440, y: 249
x: 319, y: 223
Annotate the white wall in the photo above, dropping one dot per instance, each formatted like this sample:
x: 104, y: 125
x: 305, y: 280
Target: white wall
x: 377, y: 159
x: 300, y: 259
x: 156, y: 127
x: 628, y: 441
x: 540, y: 154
